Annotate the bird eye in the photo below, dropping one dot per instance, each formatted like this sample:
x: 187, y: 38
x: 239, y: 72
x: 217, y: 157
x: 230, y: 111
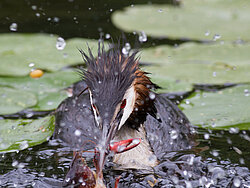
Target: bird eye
x: 123, y: 104
x: 94, y: 106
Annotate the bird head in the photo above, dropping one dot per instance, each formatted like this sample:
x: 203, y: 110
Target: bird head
x: 115, y: 84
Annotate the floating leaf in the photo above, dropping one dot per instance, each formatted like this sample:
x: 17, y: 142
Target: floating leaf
x: 19, y: 51
x: 49, y: 89
x: 199, y: 63
x: 50, y: 100
x: 14, y: 100
x: 220, y: 110
x: 21, y: 134
x: 194, y: 19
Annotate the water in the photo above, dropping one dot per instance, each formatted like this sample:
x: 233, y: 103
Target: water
x: 46, y: 165
x: 13, y: 27
x: 60, y: 43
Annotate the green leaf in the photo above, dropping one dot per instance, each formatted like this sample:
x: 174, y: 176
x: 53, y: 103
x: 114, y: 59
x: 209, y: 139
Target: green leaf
x: 48, y: 90
x: 14, y: 100
x: 20, y: 134
x: 198, y: 63
x: 50, y: 100
x: 220, y: 110
x: 194, y: 19
x: 17, y: 51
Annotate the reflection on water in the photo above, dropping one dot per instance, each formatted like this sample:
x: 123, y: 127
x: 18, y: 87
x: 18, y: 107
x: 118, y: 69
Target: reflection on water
x: 214, y: 163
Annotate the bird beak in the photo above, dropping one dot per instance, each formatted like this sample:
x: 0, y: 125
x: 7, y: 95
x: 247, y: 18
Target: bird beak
x: 109, y: 129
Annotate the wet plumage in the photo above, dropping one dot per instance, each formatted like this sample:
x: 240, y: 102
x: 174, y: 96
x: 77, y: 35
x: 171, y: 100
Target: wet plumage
x: 120, y: 103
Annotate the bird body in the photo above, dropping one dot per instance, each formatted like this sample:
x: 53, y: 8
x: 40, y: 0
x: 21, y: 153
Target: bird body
x: 120, y: 104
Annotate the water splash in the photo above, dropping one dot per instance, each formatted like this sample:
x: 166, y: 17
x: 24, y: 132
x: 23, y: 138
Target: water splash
x: 13, y: 27
x: 126, y: 49
x: 60, y: 44
x: 216, y: 37
x: 143, y: 37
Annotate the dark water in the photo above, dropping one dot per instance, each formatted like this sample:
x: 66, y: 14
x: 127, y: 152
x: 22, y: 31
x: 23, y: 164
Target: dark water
x: 221, y: 160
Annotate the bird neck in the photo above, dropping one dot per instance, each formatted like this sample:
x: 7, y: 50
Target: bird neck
x: 144, y: 104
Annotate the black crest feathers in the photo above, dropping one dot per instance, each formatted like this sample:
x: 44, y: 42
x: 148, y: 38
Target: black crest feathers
x: 110, y: 74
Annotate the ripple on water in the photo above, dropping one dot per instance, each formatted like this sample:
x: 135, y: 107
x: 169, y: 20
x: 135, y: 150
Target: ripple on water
x: 47, y: 164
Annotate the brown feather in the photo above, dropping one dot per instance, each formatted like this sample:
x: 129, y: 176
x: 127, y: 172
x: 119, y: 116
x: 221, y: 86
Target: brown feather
x: 143, y: 104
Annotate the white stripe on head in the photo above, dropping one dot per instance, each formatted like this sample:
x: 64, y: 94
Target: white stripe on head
x: 130, y: 97
x: 97, y: 118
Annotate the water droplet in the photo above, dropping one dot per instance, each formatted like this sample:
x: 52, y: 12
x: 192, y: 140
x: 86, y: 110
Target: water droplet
x: 207, y: 33
x: 215, y: 153
x: 83, y: 184
x: 77, y: 132
x: 216, y: 37
x: 242, y: 161
x: 191, y: 160
x: 107, y: 36
x: 234, y: 130
x: 50, y: 103
x: 185, y: 173
x: 237, y: 182
x: 31, y: 64
x: 206, y: 136
x: 60, y: 44
x: 151, y: 95
x: 67, y: 179
x: 160, y: 10
x: 28, y: 159
x: 56, y: 19
x: 80, y: 179
x: 21, y: 165
x: 237, y: 150
x: 23, y: 145
x: 37, y: 14
x: 187, y: 102
x: 246, y: 91
x: 213, y: 124
x: 29, y: 114
x: 229, y: 141
x: 34, y: 7
x: 14, y: 163
x: 214, y: 74
x: 126, y: 49
x: 173, y: 134
x: 142, y: 37
x: 42, y: 174
x: 13, y: 27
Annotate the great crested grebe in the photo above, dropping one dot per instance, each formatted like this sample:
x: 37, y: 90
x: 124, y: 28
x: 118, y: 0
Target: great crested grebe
x: 118, y: 104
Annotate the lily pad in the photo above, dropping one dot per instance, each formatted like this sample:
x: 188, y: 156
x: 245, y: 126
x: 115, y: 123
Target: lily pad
x: 193, y: 19
x: 199, y: 63
x: 220, y: 110
x: 20, y: 134
x: 169, y: 84
x: 14, y: 100
x: 50, y: 100
x: 48, y: 90
x: 19, y: 51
